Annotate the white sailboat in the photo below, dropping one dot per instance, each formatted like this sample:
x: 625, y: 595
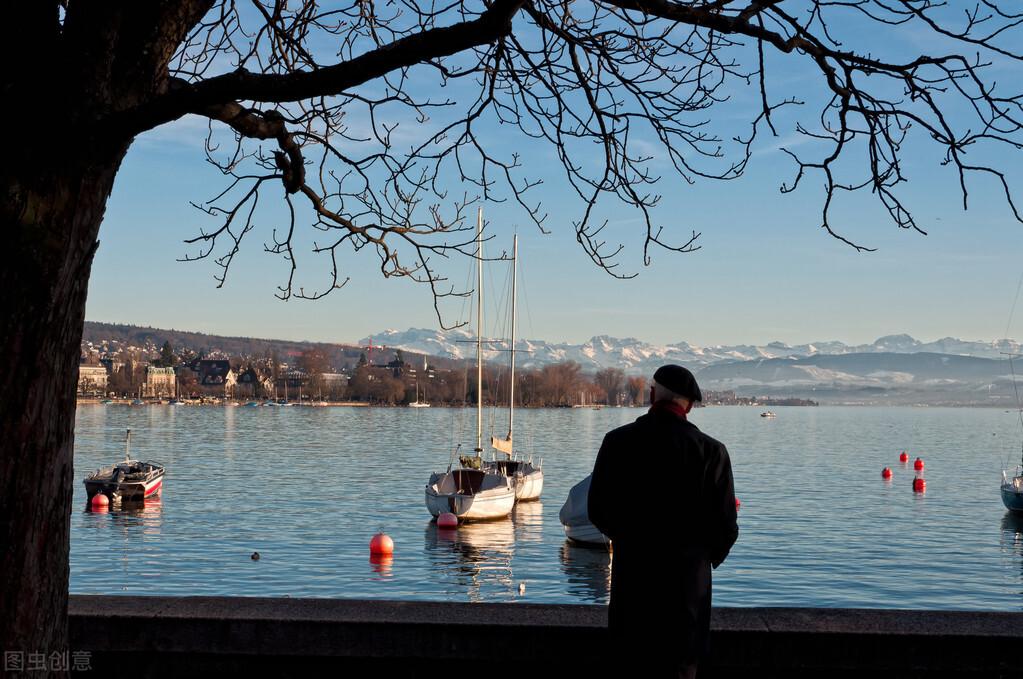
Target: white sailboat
x: 527, y: 477
x: 473, y: 492
x: 417, y: 403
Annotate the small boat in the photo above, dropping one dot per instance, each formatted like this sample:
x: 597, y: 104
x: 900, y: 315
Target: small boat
x: 1012, y: 490
x: 1012, y: 486
x: 473, y: 492
x: 416, y: 403
x: 130, y: 480
x: 470, y: 494
x: 767, y: 413
x: 575, y: 517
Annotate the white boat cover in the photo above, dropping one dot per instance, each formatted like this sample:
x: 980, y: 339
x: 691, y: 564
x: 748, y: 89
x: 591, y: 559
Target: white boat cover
x: 573, y: 512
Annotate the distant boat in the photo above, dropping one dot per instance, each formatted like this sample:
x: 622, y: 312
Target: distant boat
x: 473, y: 492
x: 767, y: 413
x: 128, y: 480
x: 417, y: 403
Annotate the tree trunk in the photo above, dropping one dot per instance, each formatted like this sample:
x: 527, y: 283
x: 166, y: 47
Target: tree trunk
x: 51, y: 218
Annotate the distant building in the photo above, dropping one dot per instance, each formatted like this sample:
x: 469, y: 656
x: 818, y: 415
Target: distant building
x: 216, y: 376
x: 92, y: 379
x: 332, y: 380
x: 252, y: 383
x: 160, y: 382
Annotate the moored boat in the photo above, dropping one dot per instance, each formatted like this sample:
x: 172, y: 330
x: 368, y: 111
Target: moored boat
x: 470, y: 494
x: 1012, y: 490
x: 473, y: 491
x: 575, y: 516
x: 129, y: 480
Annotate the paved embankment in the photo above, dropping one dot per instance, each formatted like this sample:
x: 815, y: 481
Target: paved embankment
x: 200, y: 636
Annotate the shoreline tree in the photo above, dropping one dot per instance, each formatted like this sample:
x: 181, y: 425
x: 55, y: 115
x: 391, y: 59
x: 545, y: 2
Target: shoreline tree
x: 312, y: 94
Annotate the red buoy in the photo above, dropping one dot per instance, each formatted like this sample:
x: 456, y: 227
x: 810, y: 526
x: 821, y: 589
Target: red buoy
x: 918, y: 465
x: 904, y: 458
x: 381, y: 544
x: 919, y: 486
x: 886, y: 473
x: 737, y: 504
x: 447, y: 520
x: 99, y: 500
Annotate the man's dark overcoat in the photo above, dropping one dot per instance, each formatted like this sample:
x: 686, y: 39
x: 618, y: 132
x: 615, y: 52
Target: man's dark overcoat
x: 662, y: 491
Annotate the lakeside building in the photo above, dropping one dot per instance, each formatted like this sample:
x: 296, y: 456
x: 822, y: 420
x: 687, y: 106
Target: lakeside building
x: 160, y: 382
x: 92, y: 379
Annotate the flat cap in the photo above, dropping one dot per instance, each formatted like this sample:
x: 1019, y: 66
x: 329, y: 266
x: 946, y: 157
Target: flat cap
x: 679, y: 380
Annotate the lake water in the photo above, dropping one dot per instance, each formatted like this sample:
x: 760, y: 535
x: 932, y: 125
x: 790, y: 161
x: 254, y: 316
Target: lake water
x: 308, y: 487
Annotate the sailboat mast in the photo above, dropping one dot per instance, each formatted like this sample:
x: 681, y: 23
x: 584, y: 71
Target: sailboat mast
x: 479, y: 332
x: 511, y: 388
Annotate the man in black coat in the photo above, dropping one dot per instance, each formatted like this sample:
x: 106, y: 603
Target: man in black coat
x: 662, y: 491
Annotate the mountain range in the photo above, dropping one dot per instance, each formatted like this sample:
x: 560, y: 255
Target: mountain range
x: 638, y: 357
x: 892, y: 369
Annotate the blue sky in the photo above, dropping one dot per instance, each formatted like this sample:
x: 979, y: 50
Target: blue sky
x: 765, y: 271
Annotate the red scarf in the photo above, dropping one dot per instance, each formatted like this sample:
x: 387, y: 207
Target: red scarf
x: 670, y: 407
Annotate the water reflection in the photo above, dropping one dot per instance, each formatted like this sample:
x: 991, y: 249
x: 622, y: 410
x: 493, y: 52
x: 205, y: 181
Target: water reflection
x: 477, y: 557
x: 382, y: 565
x: 527, y: 519
x: 1012, y: 535
x: 587, y: 570
x: 145, y: 513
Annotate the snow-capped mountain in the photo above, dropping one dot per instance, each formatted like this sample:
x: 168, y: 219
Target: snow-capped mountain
x: 636, y: 356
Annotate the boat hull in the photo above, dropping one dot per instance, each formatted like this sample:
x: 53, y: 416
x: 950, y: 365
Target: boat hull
x: 483, y: 506
x: 586, y: 534
x: 528, y: 487
x: 1012, y: 499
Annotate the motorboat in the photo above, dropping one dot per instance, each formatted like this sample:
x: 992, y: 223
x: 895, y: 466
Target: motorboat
x: 767, y: 413
x: 575, y: 517
x: 130, y: 480
x: 473, y: 491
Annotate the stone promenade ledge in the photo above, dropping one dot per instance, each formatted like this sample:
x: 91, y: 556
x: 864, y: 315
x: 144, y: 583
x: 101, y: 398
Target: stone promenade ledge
x: 235, y: 636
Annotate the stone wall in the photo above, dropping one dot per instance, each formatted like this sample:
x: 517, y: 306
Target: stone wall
x: 256, y: 637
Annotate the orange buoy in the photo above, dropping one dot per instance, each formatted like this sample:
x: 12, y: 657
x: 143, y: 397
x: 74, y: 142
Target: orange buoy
x: 381, y: 544
x: 447, y: 520
x: 737, y: 504
x: 886, y: 473
x: 918, y: 465
x: 904, y: 458
x: 99, y: 500
x: 919, y: 486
